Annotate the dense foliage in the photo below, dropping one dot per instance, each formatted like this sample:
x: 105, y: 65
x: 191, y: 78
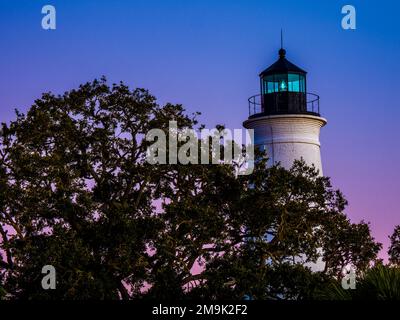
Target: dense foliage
x: 77, y: 193
x: 382, y: 282
x: 394, y: 249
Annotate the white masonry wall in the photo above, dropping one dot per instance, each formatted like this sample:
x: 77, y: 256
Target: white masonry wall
x: 289, y: 137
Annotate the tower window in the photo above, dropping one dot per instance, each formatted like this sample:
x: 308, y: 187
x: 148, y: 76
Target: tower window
x: 291, y: 82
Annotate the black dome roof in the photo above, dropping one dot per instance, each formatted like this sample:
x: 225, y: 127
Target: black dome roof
x: 282, y: 65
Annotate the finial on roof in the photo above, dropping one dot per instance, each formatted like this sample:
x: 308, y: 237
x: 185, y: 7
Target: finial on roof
x: 282, y: 52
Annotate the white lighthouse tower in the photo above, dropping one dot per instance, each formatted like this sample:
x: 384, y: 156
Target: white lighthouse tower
x: 285, y: 117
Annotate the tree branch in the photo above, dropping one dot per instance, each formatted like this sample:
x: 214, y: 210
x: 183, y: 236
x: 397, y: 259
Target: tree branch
x: 124, y: 293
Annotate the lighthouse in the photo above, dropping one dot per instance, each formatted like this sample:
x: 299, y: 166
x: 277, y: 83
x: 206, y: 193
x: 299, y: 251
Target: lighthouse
x: 285, y: 117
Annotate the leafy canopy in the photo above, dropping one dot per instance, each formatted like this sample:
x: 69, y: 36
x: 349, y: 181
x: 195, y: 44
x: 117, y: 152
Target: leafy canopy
x: 77, y: 193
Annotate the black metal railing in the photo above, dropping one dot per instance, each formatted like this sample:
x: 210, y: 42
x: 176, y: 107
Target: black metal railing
x: 312, y: 104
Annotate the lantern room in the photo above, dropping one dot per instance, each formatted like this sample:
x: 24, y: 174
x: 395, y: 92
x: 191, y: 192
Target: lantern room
x: 283, y: 88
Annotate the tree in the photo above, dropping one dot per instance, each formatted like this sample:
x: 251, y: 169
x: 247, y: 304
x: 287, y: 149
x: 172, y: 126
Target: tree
x: 253, y: 235
x: 394, y: 249
x: 77, y: 193
x: 348, y: 244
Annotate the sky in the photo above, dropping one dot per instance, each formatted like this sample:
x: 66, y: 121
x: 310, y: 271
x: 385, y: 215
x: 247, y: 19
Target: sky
x: 207, y: 54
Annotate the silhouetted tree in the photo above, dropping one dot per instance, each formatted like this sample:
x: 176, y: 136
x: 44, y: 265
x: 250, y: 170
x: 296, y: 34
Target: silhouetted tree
x: 394, y: 249
x: 265, y: 228
x: 76, y: 192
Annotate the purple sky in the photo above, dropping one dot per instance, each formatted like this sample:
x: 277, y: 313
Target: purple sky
x: 207, y: 55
